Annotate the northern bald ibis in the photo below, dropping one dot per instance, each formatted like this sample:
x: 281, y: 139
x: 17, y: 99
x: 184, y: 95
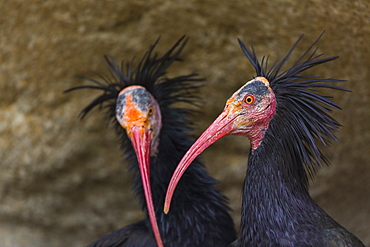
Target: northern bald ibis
x: 154, y: 130
x: 288, y: 123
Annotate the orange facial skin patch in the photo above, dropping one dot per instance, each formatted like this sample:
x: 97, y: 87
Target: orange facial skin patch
x: 132, y: 115
x: 129, y: 113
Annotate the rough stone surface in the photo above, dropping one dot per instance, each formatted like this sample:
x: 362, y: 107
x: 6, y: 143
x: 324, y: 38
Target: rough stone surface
x: 62, y: 181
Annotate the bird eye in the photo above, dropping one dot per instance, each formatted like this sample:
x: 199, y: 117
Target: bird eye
x: 150, y: 112
x: 249, y: 99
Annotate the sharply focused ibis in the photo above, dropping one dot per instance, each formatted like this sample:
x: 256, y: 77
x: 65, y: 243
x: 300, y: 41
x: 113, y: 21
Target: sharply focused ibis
x: 288, y: 123
x: 154, y: 129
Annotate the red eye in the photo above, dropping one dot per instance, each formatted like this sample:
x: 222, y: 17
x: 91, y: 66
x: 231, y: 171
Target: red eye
x: 249, y: 99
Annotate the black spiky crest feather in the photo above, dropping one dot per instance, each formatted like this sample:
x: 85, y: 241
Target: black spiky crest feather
x: 150, y: 72
x: 301, y: 110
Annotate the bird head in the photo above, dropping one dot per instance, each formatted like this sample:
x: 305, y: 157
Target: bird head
x: 139, y: 114
x: 247, y: 112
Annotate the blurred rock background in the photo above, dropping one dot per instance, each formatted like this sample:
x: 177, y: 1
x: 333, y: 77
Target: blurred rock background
x: 63, y: 182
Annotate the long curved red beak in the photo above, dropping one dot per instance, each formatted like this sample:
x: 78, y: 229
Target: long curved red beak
x: 141, y: 141
x: 222, y: 126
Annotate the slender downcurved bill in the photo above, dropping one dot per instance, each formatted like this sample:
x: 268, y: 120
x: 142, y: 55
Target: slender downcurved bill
x: 141, y: 141
x: 222, y: 126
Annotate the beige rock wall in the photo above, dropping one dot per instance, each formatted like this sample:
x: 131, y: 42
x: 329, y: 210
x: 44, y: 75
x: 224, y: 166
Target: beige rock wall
x: 62, y: 182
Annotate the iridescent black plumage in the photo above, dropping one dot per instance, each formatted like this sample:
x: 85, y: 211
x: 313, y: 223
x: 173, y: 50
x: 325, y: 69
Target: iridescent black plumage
x: 201, y: 222
x: 277, y: 208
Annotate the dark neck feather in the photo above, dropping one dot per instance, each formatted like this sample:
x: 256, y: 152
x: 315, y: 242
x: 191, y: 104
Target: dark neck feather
x: 275, y: 198
x: 277, y: 209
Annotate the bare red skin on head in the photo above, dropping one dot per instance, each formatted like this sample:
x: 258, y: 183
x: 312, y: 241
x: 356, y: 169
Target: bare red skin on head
x: 256, y: 123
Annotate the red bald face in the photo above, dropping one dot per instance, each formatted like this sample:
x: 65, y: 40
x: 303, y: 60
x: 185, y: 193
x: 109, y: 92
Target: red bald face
x: 251, y: 108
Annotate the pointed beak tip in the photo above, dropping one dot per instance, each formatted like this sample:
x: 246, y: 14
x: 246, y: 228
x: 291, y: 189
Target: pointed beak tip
x: 165, y: 207
x: 167, y: 201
